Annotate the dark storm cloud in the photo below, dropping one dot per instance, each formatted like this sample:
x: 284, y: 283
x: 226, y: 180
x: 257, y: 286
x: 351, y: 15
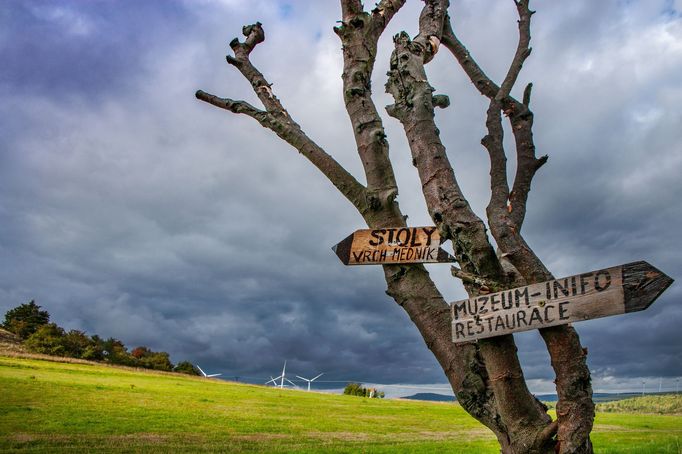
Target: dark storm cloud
x: 72, y: 47
x: 130, y: 209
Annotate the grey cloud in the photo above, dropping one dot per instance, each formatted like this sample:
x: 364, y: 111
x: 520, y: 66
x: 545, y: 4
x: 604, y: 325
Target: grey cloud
x: 130, y: 209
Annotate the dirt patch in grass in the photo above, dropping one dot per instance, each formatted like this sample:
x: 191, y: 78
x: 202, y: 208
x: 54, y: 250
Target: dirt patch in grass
x: 344, y: 436
x: 477, y: 433
x: 21, y: 438
x: 261, y: 437
x: 29, y: 438
x: 613, y: 428
x: 146, y: 438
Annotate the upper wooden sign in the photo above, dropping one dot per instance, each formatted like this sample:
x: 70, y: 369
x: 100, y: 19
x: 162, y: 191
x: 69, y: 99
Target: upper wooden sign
x: 611, y: 291
x: 391, y: 246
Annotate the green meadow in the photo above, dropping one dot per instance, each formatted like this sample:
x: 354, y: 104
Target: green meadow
x: 49, y: 406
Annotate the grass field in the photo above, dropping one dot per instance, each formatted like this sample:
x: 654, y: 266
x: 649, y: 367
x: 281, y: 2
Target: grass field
x: 48, y: 406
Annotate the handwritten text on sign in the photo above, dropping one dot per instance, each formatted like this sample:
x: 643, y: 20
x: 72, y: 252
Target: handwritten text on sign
x: 392, y: 245
x: 561, y: 301
x: 626, y: 288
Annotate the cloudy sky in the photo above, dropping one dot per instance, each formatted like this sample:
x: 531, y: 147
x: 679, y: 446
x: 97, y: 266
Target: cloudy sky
x: 130, y: 209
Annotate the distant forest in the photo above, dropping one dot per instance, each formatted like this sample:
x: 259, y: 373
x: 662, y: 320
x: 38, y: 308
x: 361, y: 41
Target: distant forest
x: 32, y: 324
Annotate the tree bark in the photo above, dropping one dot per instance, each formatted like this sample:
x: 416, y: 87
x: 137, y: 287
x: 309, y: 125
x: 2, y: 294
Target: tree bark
x: 506, y: 212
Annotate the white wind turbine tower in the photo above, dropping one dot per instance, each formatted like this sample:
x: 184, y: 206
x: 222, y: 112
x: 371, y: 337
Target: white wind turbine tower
x: 282, y: 378
x: 311, y: 380
x: 204, y: 373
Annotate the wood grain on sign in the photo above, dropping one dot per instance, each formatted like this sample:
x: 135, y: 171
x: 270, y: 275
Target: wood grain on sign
x: 391, y: 246
x: 611, y: 291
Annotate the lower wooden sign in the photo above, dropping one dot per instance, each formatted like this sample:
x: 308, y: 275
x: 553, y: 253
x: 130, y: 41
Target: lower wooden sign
x: 611, y: 291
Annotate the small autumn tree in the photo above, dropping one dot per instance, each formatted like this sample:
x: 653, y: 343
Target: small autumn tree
x: 486, y: 375
x: 76, y: 343
x: 115, y: 352
x: 25, y: 319
x: 149, y: 359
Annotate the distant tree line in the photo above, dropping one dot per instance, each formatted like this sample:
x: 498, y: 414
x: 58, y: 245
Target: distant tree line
x: 356, y: 389
x: 33, y: 326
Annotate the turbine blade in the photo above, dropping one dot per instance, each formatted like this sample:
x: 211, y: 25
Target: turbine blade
x: 317, y: 376
x: 298, y: 376
x: 201, y: 370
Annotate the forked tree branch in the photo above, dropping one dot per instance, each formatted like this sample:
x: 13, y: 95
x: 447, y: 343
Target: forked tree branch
x: 414, y: 107
x: 520, y: 116
x: 278, y: 120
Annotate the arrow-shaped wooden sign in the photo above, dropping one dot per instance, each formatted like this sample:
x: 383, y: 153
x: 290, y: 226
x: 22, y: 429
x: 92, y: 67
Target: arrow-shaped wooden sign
x: 611, y: 291
x: 391, y: 246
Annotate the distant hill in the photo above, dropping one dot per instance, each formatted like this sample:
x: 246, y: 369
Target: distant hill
x: 598, y: 397
x: 662, y: 404
x: 431, y: 397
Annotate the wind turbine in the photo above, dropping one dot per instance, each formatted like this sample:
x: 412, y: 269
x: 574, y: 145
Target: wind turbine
x: 204, y: 373
x: 311, y: 380
x: 282, y: 378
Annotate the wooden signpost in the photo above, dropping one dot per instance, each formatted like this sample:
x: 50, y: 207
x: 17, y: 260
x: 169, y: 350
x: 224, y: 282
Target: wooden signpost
x: 391, y: 246
x: 611, y: 291
x: 626, y: 288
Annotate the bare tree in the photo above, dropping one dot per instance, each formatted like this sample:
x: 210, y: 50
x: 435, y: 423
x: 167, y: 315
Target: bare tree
x: 486, y: 375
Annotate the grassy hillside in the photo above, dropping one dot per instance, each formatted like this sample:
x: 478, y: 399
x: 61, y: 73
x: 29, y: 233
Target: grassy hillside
x: 50, y: 406
x: 669, y: 404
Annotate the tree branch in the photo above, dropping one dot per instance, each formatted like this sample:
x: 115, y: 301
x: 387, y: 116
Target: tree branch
x: 350, y: 9
x: 383, y: 13
x: 478, y: 77
x: 522, y: 49
x: 240, y: 107
x: 359, y: 34
x: 278, y: 120
x: 521, y: 119
x: 255, y: 35
x: 493, y: 142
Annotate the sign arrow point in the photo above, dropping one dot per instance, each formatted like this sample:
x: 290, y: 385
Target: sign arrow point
x: 642, y: 284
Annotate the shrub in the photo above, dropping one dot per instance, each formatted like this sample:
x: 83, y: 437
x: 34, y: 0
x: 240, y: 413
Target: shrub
x: 48, y: 339
x: 24, y: 320
x: 356, y: 389
x: 185, y: 367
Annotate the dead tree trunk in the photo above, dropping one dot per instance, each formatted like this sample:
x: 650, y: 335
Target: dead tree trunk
x: 486, y: 375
